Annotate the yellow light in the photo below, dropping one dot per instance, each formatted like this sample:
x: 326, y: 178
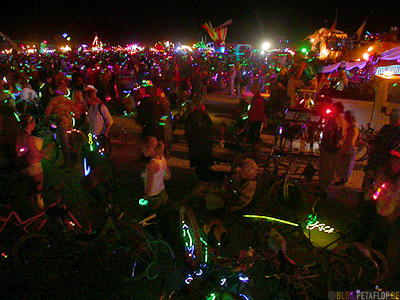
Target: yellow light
x: 366, y: 56
x: 266, y: 46
x: 370, y: 49
x: 387, y: 73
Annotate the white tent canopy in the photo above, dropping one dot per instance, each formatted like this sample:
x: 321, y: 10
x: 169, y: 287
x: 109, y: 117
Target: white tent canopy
x: 391, y: 54
x: 345, y: 65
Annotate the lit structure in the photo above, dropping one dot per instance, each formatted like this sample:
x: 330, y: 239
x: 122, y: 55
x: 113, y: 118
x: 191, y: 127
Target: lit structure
x: 218, y: 34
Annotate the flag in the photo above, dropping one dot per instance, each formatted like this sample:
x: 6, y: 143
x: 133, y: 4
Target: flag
x: 360, y: 31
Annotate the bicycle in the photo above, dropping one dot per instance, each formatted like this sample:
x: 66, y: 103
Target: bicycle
x: 289, y: 179
x: 76, y: 138
x: 236, y: 278
x: 346, y: 265
x: 366, y: 136
x: 119, y: 249
x: 56, y: 212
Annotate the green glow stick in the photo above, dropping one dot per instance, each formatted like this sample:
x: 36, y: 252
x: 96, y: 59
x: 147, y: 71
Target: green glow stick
x: 271, y: 219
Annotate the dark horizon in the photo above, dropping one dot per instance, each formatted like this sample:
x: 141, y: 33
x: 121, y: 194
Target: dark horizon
x: 125, y: 22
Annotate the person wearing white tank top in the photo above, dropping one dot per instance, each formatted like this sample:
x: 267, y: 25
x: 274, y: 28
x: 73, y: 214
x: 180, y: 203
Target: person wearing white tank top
x: 157, y: 170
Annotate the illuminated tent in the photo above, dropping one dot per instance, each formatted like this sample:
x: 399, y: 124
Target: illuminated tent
x: 322, y: 37
x: 218, y: 34
x: 391, y: 54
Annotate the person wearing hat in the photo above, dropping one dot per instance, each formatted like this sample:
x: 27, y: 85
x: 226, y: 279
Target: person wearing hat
x: 235, y: 194
x: 62, y: 107
x: 98, y: 115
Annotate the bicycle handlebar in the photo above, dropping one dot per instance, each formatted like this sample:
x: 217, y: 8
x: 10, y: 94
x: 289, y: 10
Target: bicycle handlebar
x: 145, y: 220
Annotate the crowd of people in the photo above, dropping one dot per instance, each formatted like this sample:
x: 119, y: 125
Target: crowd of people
x: 89, y: 86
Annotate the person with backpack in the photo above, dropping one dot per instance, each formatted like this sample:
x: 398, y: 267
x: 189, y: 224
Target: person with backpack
x: 347, y: 154
x: 333, y: 137
x: 98, y: 115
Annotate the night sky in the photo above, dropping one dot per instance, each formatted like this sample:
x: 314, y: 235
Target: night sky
x: 122, y: 21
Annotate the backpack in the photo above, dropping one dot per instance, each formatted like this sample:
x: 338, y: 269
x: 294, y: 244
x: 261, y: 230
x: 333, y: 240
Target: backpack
x: 99, y: 107
x: 332, y: 140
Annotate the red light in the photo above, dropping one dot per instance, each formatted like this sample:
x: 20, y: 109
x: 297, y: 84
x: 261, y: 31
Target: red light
x: 328, y: 111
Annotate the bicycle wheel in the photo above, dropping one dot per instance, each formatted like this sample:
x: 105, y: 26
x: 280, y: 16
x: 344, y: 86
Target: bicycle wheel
x: 155, y: 259
x: 136, y: 263
x: 118, y: 135
x: 195, y: 249
x: 38, y: 258
x: 356, y: 263
x: 288, y: 193
x: 362, y: 152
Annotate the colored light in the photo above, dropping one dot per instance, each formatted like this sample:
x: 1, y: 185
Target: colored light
x: 86, y: 168
x: 379, y: 191
x: 271, y: 219
x: 143, y: 202
x: 321, y: 227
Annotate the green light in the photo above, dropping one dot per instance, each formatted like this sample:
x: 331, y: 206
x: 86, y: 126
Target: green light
x: 212, y: 296
x: 205, y: 249
x: 271, y: 219
x: 394, y: 84
x: 311, y: 219
x: 143, y: 202
x: 304, y: 50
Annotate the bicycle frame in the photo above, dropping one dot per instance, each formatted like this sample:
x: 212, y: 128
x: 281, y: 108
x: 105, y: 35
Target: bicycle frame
x: 25, y: 224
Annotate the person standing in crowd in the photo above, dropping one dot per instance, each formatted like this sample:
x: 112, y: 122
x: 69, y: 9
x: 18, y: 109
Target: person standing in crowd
x: 232, y: 76
x: 62, y: 107
x: 156, y: 171
x: 303, y: 76
x: 347, y: 154
x: 29, y: 98
x: 196, y: 80
x: 46, y: 92
x: 199, y: 135
x: 79, y: 108
x: 99, y: 117
x: 29, y: 148
x: 332, y: 140
x: 257, y: 118
x: 165, y: 120
x: 149, y: 113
